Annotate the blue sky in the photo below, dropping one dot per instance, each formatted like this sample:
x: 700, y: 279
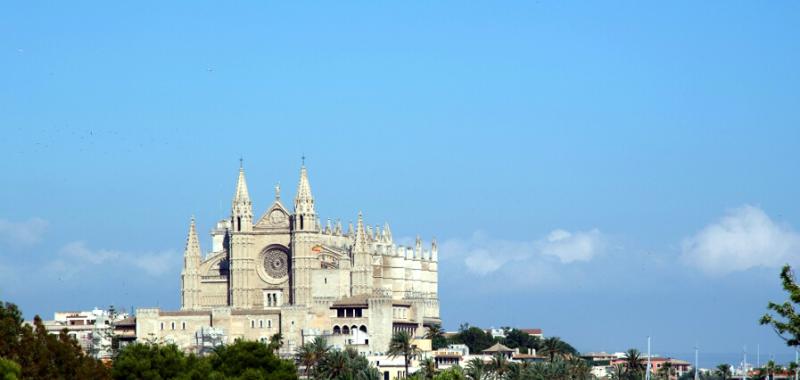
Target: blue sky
x: 602, y: 170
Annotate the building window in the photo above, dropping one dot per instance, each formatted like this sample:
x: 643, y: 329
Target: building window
x: 340, y: 313
x: 172, y: 325
x: 346, y: 330
x: 337, y: 330
x: 261, y: 323
x: 183, y: 325
x: 358, y: 313
x: 252, y: 324
x: 269, y: 323
x: 162, y: 325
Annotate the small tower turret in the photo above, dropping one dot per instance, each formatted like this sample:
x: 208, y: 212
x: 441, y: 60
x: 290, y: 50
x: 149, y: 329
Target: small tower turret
x: 190, y: 275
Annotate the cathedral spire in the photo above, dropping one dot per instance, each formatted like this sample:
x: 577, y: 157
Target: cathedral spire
x: 387, y: 232
x: 361, y: 236
x: 304, y: 214
x: 190, y: 276
x: 241, y: 208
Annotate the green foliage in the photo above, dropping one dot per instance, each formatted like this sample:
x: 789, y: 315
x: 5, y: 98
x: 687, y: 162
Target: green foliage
x: 452, y: 373
x: 476, y: 339
x: 787, y: 322
x: 436, y: 335
x: 241, y: 360
x: 345, y: 365
x: 42, y: 355
x: 516, y: 338
x: 400, y: 345
x: 553, y: 347
x: 9, y: 370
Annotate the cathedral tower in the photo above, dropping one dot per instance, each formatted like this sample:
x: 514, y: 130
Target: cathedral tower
x: 304, y: 234
x: 241, y: 241
x: 361, y: 282
x: 190, y: 276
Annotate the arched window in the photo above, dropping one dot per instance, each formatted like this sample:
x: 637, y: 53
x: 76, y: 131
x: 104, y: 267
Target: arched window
x: 301, y: 222
x: 238, y: 223
x: 162, y: 325
x: 354, y: 329
x: 183, y: 325
x: 363, y: 328
x: 252, y: 323
x: 261, y: 323
x: 173, y: 325
x: 337, y: 330
x: 269, y: 323
x: 346, y: 330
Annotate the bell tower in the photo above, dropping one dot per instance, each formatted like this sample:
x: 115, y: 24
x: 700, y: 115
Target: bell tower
x: 304, y: 236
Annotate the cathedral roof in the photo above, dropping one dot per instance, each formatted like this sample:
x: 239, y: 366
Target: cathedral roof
x: 354, y: 301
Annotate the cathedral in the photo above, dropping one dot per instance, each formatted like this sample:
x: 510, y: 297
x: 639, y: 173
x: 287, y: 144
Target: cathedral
x: 285, y: 273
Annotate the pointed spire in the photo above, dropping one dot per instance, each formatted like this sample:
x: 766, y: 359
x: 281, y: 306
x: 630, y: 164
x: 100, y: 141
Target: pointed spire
x: 418, y: 248
x: 338, y: 230
x: 434, y: 250
x: 328, y: 228
x: 304, y: 201
x: 361, y: 237
x: 242, y: 195
x: 387, y: 232
x: 369, y: 233
x: 192, y: 242
x: 377, y: 236
x: 350, y: 228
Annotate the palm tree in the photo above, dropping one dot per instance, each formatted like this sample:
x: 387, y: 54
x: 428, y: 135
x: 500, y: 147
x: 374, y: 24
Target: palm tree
x: 553, y: 346
x: 633, y: 361
x: 499, y: 366
x: 476, y: 369
x: 793, y: 367
x: 310, y: 354
x: 724, y: 371
x: 427, y: 367
x: 666, y: 370
x: 401, y: 345
x: 334, y: 364
x: 275, y: 342
x: 435, y: 334
x: 771, y: 368
x: 579, y: 369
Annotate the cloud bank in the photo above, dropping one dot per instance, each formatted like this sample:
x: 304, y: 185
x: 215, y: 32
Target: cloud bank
x: 27, y: 232
x: 483, y: 255
x: 77, y: 256
x: 744, y: 238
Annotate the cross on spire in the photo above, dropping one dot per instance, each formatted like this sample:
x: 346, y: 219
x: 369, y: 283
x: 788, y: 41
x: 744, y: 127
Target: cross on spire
x: 241, y: 162
x: 303, y: 159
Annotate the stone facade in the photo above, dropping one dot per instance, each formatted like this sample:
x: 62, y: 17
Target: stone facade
x: 285, y: 272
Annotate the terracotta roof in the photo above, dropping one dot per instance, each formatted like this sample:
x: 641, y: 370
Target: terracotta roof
x: 532, y: 331
x: 359, y: 300
x: 498, y: 348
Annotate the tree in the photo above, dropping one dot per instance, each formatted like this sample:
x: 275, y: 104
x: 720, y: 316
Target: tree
x: 275, y: 342
x: 787, y: 322
x: 436, y: 335
x: 499, y: 366
x: 427, y: 367
x: 474, y: 338
x: 345, y: 365
x: 252, y: 357
x: 476, y: 369
x: 633, y: 363
x: 516, y: 338
x: 310, y: 354
x: 666, y: 371
x: 149, y: 361
x: 401, y: 345
x: 554, y: 346
x: 9, y: 370
x: 723, y: 371
x: 453, y: 373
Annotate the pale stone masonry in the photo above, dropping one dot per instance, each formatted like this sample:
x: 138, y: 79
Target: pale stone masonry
x: 287, y: 273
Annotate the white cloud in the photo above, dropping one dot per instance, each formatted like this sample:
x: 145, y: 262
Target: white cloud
x: 570, y: 247
x: 744, y: 238
x: 483, y: 255
x: 27, y: 232
x: 80, y: 256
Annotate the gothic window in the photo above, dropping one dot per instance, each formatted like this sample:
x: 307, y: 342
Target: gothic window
x: 261, y: 323
x: 269, y: 323
x: 337, y: 330
x: 346, y: 330
x: 252, y: 324
x: 239, y: 223
x: 363, y: 328
x: 301, y: 222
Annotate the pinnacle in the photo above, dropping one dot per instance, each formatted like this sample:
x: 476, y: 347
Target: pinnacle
x: 242, y: 194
